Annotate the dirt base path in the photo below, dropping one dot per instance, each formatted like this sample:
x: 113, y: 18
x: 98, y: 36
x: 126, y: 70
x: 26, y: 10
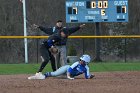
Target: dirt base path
x: 107, y: 82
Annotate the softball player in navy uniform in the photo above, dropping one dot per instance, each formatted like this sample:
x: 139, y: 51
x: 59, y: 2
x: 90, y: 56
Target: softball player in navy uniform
x: 49, y: 31
x: 48, y: 49
x: 77, y: 68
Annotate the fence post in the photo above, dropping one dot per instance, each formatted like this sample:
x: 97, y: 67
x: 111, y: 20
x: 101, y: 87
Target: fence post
x: 97, y: 43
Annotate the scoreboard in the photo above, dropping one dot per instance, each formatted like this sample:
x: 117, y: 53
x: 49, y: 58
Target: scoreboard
x: 78, y: 11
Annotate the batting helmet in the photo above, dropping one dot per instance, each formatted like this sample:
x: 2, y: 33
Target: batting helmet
x: 85, y: 58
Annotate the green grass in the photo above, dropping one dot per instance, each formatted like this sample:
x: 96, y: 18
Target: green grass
x: 94, y: 67
x: 105, y: 67
x: 21, y: 68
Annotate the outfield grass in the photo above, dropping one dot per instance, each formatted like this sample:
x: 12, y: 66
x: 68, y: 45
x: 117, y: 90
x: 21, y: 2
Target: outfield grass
x: 94, y: 67
x: 105, y: 67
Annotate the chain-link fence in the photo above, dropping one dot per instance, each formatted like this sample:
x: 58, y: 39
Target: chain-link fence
x: 112, y: 49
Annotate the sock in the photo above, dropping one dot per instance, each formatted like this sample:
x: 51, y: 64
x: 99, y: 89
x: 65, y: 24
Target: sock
x: 48, y: 74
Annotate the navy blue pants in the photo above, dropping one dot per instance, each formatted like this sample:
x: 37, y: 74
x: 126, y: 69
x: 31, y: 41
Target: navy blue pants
x: 46, y: 57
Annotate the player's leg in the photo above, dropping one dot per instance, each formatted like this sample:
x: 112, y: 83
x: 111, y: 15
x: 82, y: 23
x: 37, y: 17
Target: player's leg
x: 53, y: 65
x: 62, y: 70
x: 44, y: 56
x: 45, y: 59
x: 63, y: 56
x: 57, y: 58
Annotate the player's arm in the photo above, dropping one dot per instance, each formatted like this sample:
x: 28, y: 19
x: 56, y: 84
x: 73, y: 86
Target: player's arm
x: 74, y: 29
x: 47, y: 30
x: 52, y: 40
x: 69, y: 71
x: 87, y: 74
x: 51, y: 43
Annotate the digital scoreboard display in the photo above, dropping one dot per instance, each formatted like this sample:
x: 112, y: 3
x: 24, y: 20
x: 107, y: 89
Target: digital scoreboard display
x: 78, y: 11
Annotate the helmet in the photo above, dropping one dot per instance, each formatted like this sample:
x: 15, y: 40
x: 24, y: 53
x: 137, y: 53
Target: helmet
x: 85, y: 58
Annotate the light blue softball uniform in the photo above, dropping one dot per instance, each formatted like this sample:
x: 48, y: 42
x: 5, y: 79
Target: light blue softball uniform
x: 75, y: 69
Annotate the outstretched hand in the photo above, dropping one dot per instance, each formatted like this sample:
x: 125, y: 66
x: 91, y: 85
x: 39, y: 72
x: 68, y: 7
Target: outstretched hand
x: 92, y: 76
x: 82, y: 25
x: 35, y: 26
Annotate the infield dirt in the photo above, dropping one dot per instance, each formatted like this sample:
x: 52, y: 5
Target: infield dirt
x: 104, y: 82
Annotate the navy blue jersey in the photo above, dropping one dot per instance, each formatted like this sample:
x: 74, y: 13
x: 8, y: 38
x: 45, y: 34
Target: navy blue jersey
x: 77, y: 69
x: 52, y: 41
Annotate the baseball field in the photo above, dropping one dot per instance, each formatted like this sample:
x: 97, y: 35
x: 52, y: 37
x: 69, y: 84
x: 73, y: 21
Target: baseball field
x: 109, y: 78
